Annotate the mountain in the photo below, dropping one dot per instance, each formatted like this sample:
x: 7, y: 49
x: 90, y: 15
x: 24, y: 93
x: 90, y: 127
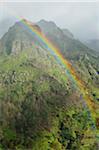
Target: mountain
x: 20, y: 38
x: 69, y: 47
x: 40, y: 106
x: 93, y: 44
x: 68, y: 33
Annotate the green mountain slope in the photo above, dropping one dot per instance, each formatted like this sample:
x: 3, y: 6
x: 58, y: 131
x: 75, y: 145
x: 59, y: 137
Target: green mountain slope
x: 40, y: 108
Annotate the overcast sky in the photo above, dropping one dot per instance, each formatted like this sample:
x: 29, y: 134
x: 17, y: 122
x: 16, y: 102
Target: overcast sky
x: 81, y: 18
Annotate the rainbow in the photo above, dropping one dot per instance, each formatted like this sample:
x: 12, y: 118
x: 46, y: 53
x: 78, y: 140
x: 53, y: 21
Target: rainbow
x: 55, y: 52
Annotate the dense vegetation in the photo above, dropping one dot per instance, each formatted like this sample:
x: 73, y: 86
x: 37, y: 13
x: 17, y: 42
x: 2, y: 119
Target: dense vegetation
x: 40, y: 108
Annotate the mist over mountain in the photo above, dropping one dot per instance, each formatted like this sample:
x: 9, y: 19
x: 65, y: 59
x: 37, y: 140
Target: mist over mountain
x: 68, y: 46
x: 80, y: 18
x: 42, y: 106
x: 93, y: 44
x: 5, y: 24
x: 49, y: 75
x: 62, y: 38
x: 68, y: 33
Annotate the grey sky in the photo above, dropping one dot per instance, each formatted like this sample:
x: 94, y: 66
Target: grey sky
x: 81, y: 18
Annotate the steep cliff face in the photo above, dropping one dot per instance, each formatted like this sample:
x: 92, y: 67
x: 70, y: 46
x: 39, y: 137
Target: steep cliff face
x: 19, y: 37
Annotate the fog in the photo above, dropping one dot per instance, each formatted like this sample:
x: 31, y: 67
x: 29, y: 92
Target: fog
x: 81, y: 18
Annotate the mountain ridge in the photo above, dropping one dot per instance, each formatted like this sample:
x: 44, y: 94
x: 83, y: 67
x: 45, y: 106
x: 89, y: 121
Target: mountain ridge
x: 67, y: 45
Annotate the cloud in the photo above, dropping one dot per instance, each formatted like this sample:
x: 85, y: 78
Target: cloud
x: 81, y: 18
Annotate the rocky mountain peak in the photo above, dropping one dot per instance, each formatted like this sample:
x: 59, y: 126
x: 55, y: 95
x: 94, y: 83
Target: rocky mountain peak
x: 20, y: 37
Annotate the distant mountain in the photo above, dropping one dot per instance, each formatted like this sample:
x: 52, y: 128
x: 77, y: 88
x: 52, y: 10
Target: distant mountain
x: 93, y: 44
x: 50, y: 27
x: 63, y: 39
